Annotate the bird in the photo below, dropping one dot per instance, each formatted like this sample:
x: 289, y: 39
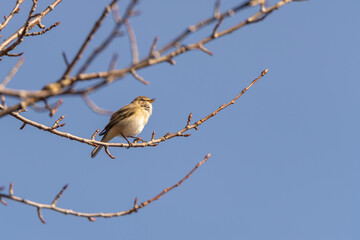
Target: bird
x: 128, y: 121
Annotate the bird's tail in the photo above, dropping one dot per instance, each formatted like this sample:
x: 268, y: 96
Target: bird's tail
x: 98, y: 148
x: 96, y: 151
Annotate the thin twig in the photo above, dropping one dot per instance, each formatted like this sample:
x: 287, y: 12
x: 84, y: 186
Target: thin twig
x: 111, y: 67
x: 59, y: 195
x: 3, y: 101
x: 138, y: 77
x: 108, y: 152
x: 153, y: 47
x: 133, y: 44
x: 43, y: 31
x: 94, y: 107
x: 217, y: 8
x: 65, y: 59
x: 30, y: 23
x: 214, y: 34
x: 114, y: 33
x: 15, y: 10
x: 88, y: 38
x: 22, y: 126
x: 56, y: 123
x: 54, y: 110
x: 202, y: 24
x: 95, y: 133
x: 12, y: 72
x: 38, y: 209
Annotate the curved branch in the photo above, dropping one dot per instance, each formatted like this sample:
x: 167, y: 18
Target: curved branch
x: 92, y: 216
x: 153, y: 142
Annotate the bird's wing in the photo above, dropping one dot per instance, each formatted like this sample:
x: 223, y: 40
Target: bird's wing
x: 119, y: 115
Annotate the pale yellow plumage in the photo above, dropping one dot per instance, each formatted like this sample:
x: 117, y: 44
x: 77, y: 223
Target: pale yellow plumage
x: 128, y: 121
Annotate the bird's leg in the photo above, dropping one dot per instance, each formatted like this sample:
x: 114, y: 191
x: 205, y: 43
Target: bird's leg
x: 130, y: 144
x: 137, y: 139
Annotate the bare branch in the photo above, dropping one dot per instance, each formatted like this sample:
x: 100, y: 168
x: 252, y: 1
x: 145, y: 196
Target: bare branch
x: 43, y: 31
x: 22, y: 126
x: 92, y: 216
x: 15, y: 10
x: 3, y: 202
x: 94, y: 107
x: 189, y: 119
x: 133, y: 44
x: 3, y: 101
x: 214, y: 34
x: 153, y: 47
x: 204, y: 49
x: 95, y: 133
x: 59, y: 195
x: 14, y: 54
x: 11, y: 189
x: 138, y: 77
x: 38, y: 209
x: 151, y: 143
x: 116, y: 15
x: 114, y: 33
x: 61, y: 87
x: 30, y: 23
x: 88, y: 38
x: 65, y: 59
x: 108, y: 152
x: 56, y: 123
x: 202, y: 24
x: 12, y: 73
x: 217, y: 8
x: 54, y: 110
x: 22, y: 34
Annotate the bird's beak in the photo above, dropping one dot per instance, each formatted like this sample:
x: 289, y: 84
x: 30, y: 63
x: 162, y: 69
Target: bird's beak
x: 152, y: 100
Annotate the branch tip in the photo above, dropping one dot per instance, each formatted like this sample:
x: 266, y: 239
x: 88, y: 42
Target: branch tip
x: 138, y: 77
x: 189, y: 119
x: 11, y: 189
x: 54, y: 110
x: 153, y: 47
x: 22, y: 126
x: 40, y: 215
x: 3, y: 202
x: 108, y: 152
x: 56, y: 124
x: 204, y: 49
x: 53, y: 203
x: 95, y: 133
x: 135, y: 203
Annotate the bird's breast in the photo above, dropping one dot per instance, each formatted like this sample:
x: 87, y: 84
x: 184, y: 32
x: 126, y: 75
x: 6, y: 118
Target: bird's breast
x: 131, y: 126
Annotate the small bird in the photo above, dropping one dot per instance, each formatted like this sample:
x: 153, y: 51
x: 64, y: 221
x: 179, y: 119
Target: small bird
x: 128, y: 121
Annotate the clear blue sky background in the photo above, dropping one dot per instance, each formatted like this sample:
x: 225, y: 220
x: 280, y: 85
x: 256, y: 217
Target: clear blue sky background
x: 285, y: 157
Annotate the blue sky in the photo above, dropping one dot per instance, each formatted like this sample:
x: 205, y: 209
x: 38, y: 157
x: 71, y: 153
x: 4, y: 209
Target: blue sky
x: 285, y: 158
